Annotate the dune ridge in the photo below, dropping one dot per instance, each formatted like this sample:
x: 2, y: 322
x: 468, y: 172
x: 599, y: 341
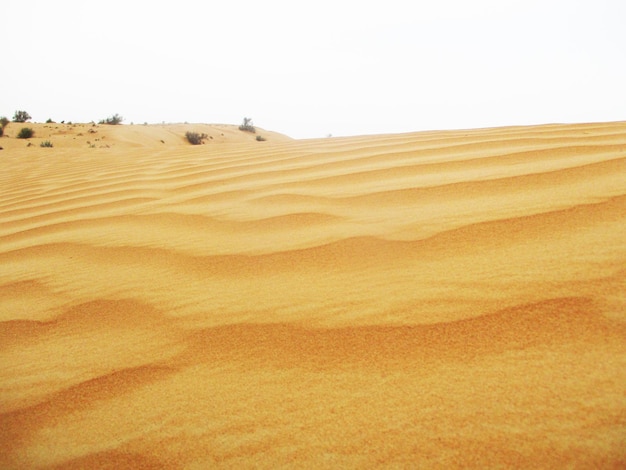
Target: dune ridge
x: 445, y: 299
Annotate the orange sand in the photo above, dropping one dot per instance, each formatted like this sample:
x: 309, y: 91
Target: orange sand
x: 435, y: 300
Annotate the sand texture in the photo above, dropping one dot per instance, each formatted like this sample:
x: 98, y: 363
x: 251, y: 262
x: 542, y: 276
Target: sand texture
x: 451, y: 299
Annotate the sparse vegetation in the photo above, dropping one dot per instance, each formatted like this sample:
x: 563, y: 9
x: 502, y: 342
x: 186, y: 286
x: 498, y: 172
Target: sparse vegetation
x: 49, y: 121
x: 247, y: 125
x: 4, y: 122
x: 260, y: 138
x: 112, y: 120
x: 195, y: 138
x: 25, y: 133
x: 21, y: 116
x: 46, y: 143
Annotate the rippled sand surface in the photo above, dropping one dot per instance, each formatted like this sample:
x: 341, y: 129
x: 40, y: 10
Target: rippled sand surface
x: 451, y: 299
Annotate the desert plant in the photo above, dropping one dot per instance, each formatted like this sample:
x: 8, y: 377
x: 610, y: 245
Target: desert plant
x: 46, y: 143
x: 21, y: 116
x: 4, y: 122
x: 194, y: 138
x: 1, y: 131
x: 49, y: 121
x: 247, y: 125
x: 25, y: 133
x: 260, y: 138
x: 112, y: 120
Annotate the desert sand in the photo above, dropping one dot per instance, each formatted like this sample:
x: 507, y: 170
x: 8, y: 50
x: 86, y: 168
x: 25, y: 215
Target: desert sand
x: 450, y: 299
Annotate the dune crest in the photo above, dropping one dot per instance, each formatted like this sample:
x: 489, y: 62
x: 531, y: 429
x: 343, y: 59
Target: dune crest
x: 446, y: 299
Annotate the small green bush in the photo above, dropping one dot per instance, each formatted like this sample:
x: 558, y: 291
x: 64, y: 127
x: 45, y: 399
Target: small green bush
x: 247, y: 125
x: 194, y: 138
x: 25, y: 133
x: 260, y: 138
x: 49, y: 121
x: 4, y: 122
x: 46, y: 143
x: 113, y: 120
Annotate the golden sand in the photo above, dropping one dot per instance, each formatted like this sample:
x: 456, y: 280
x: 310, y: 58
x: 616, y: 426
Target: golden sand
x: 445, y: 299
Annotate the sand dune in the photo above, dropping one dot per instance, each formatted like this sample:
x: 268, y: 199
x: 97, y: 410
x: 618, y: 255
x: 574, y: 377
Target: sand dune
x: 445, y: 299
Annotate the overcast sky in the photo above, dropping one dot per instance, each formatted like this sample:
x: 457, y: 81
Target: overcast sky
x: 309, y: 69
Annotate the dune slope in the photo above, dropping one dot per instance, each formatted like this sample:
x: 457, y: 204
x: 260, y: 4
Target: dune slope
x: 436, y: 299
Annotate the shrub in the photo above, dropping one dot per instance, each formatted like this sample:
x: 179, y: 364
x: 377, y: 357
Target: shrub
x: 247, y: 125
x: 1, y: 131
x: 21, y: 116
x: 194, y: 138
x: 260, y: 138
x: 112, y: 120
x: 46, y: 143
x: 25, y: 133
x: 49, y: 121
x: 4, y: 122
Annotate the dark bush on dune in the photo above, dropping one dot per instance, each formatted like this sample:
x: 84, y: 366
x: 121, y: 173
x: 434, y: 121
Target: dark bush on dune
x: 113, y: 120
x: 194, y: 138
x: 247, y: 125
x: 25, y: 133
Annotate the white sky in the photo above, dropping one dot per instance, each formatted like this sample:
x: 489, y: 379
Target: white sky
x: 309, y: 69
